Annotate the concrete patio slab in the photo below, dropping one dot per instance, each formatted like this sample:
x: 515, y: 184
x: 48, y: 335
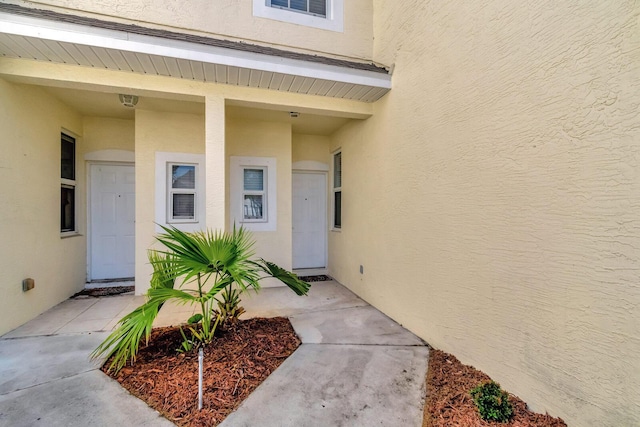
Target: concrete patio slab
x: 281, y: 301
x: 54, y: 319
x: 356, y: 367
x: 340, y: 385
x: 27, y: 362
x: 355, y: 325
x: 85, y: 399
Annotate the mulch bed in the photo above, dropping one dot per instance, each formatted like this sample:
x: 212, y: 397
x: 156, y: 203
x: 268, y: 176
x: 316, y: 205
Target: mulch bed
x: 449, y: 402
x: 235, y: 363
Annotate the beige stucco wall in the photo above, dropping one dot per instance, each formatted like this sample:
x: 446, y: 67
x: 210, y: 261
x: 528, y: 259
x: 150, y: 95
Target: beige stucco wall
x: 234, y: 20
x: 266, y: 139
x: 31, y: 122
x: 494, y: 197
x: 164, y: 132
x: 105, y: 133
x: 313, y: 148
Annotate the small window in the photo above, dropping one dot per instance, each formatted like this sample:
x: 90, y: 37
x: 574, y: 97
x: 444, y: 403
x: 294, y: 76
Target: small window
x: 68, y: 183
x: 321, y: 14
x: 337, y: 190
x: 182, y: 195
x: 312, y: 7
x: 254, y: 194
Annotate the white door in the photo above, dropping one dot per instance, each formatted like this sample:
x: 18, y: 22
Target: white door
x: 112, y: 222
x: 309, y: 220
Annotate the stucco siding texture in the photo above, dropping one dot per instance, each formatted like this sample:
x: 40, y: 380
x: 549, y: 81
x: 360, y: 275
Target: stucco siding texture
x: 31, y: 244
x: 493, y: 199
x: 233, y: 20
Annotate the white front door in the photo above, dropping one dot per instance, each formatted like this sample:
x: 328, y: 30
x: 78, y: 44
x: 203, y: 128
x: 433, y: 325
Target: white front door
x: 309, y: 220
x: 112, y: 222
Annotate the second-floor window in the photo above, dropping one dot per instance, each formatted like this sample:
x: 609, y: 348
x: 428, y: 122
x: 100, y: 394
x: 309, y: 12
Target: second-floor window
x: 312, y: 7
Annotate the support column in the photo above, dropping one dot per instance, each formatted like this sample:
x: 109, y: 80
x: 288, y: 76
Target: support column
x: 215, y: 184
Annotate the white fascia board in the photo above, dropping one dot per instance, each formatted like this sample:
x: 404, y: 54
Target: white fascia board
x: 119, y: 40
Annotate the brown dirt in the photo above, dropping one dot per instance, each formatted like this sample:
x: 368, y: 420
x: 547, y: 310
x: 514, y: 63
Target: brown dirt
x: 235, y: 363
x: 449, y: 402
x: 243, y: 356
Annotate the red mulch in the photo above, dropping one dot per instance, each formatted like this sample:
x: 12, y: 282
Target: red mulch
x: 235, y: 363
x: 449, y: 402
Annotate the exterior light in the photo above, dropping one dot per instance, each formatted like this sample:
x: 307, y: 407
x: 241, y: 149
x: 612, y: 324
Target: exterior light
x: 128, y: 100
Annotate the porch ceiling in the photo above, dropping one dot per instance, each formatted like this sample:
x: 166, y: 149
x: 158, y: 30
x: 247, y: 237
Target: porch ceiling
x: 68, y: 39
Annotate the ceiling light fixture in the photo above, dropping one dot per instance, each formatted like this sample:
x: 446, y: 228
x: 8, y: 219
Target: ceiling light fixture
x: 128, y: 100
x: 294, y: 114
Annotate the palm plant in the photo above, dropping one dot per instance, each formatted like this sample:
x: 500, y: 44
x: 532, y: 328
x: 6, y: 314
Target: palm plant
x: 213, y: 262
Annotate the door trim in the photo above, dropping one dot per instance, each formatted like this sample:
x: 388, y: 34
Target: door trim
x: 325, y: 174
x: 89, y: 166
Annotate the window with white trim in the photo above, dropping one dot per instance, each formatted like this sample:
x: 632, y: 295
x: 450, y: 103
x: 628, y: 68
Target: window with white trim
x: 337, y: 190
x: 182, y: 194
x: 254, y: 194
x: 322, y: 14
x: 67, y: 183
x: 252, y: 198
x: 180, y: 191
x: 312, y: 7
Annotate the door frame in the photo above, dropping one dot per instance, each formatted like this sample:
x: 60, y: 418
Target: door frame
x: 89, y: 166
x: 319, y: 169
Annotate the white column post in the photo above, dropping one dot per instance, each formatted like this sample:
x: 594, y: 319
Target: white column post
x: 215, y: 162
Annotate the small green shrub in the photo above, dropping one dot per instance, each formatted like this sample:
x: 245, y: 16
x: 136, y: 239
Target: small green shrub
x: 492, y: 402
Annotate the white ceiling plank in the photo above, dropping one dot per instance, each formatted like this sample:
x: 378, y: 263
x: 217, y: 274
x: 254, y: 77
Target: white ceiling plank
x: 315, y: 87
x: 209, y: 72
x: 335, y: 89
x: 147, y: 64
x: 44, y: 48
x: 33, y: 52
x: 221, y: 74
x: 17, y: 50
x: 106, y: 59
x: 76, y: 54
x: 159, y: 65
x: 361, y: 93
x: 91, y: 56
x: 265, y: 79
x: 232, y: 75
x: 185, y: 69
x: 306, y: 85
x: 255, y: 77
x: 120, y: 61
x: 287, y: 81
x: 326, y: 87
x: 243, y: 78
x: 172, y: 66
x: 276, y: 81
x: 366, y: 95
x: 198, y: 71
x: 133, y: 62
x: 343, y: 90
x: 295, y: 85
x: 62, y: 52
x: 5, y: 50
x: 352, y: 92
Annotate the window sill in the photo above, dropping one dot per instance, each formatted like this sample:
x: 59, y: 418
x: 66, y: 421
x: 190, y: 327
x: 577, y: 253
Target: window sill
x: 67, y: 234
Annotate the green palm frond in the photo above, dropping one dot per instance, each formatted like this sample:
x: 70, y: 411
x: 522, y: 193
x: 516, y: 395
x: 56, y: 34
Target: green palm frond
x: 164, y: 270
x: 298, y: 286
x: 214, y: 261
x: 124, y: 342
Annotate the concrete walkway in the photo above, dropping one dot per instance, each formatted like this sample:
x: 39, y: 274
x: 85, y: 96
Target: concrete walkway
x: 356, y: 367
